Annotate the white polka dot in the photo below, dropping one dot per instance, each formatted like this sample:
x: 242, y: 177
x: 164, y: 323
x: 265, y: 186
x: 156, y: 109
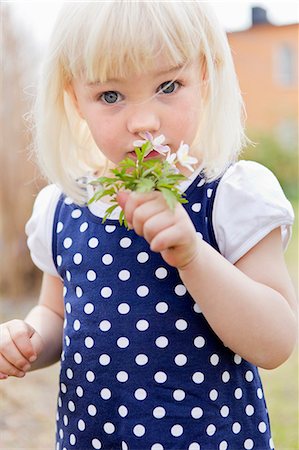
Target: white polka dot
x: 214, y: 360
x: 248, y: 444
x: 209, y: 192
x: 201, y: 183
x: 140, y: 394
x: 211, y: 429
x: 236, y: 428
x: 91, y: 275
x: 76, y: 213
x: 199, y: 342
x: 104, y: 325
x: 194, y: 446
x: 237, y: 359
x: 93, y: 242
x: 69, y: 373
x: 77, y: 258
x: 196, y: 308
x: 72, y: 439
x: 79, y: 391
x: 142, y: 291
x: 180, y: 290
x: 157, y: 446
x: 181, y: 325
x: 96, y: 444
x: 161, y: 307
x: 92, y: 410
x: 142, y: 257
x: 271, y: 443
x: 105, y: 393
x: 90, y: 376
x: 249, y: 410
x: 196, y: 412
x: 196, y: 207
x: 106, y: 292
x: 67, y: 341
x: 64, y: 291
x: 107, y: 259
x: 161, y: 273
x: 179, y: 395
x: 104, y: 360
x: 224, y: 411
x: 159, y: 412
x: 79, y: 291
x: 180, y: 360
x: 213, y: 394
x: 68, y: 275
x: 177, y: 430
x: 109, y: 428
x: 68, y: 308
x: 65, y: 420
x: 161, y: 342
x: 89, y: 342
x: 142, y: 325
x: 262, y: 427
x: 198, y: 377
x: 160, y: 377
x: 83, y: 227
x: 123, y: 342
x: 110, y: 228
x: 249, y: 376
x: 68, y: 201
x: 122, y: 376
x: 124, y: 446
x: 77, y: 358
x: 123, y: 308
x: 259, y: 393
x: 225, y: 377
x: 123, y: 411
x: 67, y: 242
x: 141, y: 359
x: 81, y: 425
x: 59, y: 227
x: 124, y: 275
x: 77, y: 325
x: 61, y: 433
x: 88, y: 308
x: 125, y: 242
x: 139, y: 430
x: 223, y: 445
x: 238, y: 393
x: 59, y: 260
x: 71, y: 406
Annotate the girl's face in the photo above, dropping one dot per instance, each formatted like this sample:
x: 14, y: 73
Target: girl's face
x: 118, y: 110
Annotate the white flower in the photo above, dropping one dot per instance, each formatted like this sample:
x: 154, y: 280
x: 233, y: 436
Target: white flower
x: 183, y: 157
x: 156, y: 143
x: 170, y: 158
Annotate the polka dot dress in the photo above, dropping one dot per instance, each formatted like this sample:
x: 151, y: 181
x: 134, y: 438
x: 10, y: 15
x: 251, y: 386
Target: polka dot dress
x: 141, y: 369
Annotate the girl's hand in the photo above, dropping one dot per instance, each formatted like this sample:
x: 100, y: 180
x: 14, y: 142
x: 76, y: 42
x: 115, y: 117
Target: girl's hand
x: 169, y: 232
x: 20, y: 346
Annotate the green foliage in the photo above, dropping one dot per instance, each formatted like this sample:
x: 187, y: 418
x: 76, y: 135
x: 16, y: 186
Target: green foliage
x: 281, y: 161
x: 142, y: 176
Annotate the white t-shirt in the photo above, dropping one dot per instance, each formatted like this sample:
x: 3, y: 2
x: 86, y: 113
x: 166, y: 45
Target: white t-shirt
x: 249, y: 204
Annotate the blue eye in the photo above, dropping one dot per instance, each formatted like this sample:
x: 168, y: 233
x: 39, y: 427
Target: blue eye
x: 110, y: 97
x: 168, y: 87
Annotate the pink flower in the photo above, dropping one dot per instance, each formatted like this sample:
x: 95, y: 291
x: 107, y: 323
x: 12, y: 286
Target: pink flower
x: 156, y: 143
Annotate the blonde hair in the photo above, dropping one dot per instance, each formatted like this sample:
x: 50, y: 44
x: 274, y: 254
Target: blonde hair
x: 111, y: 39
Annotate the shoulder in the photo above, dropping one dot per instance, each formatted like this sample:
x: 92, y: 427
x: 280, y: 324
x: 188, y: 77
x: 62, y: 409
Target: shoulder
x: 39, y: 228
x: 249, y: 203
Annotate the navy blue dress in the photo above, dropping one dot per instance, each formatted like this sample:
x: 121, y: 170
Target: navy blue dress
x: 141, y: 368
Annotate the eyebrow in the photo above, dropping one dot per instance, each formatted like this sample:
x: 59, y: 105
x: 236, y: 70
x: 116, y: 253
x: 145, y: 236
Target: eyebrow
x: 166, y: 71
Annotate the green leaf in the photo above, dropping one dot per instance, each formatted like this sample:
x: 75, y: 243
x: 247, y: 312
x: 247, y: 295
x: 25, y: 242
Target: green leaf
x: 170, y: 197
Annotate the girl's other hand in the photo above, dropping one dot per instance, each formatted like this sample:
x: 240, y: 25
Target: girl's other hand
x: 20, y: 346
x: 169, y: 232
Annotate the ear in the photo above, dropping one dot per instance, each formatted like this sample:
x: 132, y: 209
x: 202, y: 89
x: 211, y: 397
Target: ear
x: 72, y: 94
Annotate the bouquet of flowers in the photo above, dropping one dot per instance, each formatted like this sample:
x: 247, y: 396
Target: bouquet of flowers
x: 144, y: 175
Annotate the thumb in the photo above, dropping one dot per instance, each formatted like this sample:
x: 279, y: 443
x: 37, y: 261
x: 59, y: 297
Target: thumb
x: 122, y: 198
x: 36, y: 342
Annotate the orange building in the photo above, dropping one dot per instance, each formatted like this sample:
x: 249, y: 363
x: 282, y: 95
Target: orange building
x: 266, y: 61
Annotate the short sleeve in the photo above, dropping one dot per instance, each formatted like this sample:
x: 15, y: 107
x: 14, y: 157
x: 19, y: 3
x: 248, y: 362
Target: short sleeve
x: 249, y: 204
x: 39, y: 229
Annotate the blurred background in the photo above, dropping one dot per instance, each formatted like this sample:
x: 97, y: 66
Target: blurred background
x: 264, y: 40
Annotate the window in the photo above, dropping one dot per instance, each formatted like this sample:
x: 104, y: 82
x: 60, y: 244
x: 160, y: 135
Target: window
x: 285, y: 65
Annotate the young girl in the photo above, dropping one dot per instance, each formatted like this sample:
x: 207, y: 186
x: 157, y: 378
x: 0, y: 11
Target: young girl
x: 163, y: 324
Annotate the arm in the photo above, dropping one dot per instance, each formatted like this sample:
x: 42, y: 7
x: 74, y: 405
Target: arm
x: 250, y: 305
x: 35, y: 342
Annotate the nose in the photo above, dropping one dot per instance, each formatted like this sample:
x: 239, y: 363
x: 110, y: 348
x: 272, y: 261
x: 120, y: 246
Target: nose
x: 142, y: 118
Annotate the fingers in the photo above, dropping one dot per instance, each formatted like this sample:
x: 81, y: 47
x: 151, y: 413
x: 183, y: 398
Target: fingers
x: 131, y: 202
x: 17, y: 349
